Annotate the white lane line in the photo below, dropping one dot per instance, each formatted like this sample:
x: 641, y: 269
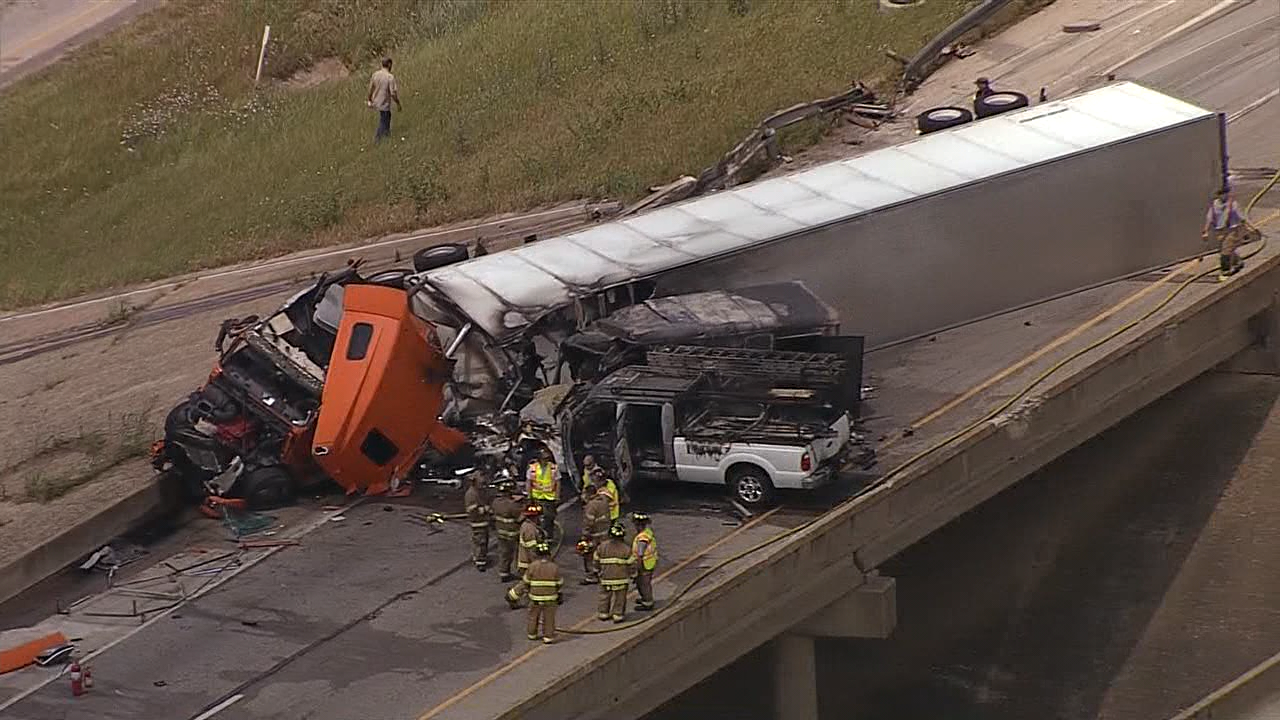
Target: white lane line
x: 1196, y: 50
x: 1253, y: 106
x: 218, y: 708
x: 303, y: 530
x: 1224, y: 4
x: 288, y: 262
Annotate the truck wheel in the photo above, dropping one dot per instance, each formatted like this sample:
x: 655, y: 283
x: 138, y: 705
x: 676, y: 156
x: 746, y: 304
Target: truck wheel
x: 1000, y: 102
x: 439, y: 256
x: 751, y: 486
x: 941, y: 118
x: 265, y: 488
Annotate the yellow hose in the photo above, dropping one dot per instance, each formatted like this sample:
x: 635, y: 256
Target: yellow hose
x: 1002, y: 407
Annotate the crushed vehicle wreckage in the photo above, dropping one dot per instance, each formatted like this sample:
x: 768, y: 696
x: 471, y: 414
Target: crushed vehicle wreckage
x: 347, y: 382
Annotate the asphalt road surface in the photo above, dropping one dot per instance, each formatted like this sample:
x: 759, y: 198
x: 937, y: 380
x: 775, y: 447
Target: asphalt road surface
x: 34, y: 33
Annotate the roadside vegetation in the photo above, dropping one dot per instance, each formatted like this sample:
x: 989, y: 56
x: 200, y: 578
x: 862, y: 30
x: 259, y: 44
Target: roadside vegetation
x: 150, y: 153
x: 65, y: 463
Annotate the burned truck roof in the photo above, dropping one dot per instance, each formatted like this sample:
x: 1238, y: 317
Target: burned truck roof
x: 691, y: 317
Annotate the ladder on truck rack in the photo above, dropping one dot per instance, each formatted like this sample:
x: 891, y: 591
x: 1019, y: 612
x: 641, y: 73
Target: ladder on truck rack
x: 780, y: 366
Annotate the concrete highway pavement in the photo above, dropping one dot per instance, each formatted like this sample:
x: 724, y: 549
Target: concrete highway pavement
x: 372, y: 616
x: 402, y: 629
x: 34, y: 33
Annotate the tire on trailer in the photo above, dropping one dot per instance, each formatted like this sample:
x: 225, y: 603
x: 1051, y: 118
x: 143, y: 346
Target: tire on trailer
x: 266, y: 488
x: 750, y: 485
x: 941, y: 118
x: 439, y: 256
x: 1000, y: 102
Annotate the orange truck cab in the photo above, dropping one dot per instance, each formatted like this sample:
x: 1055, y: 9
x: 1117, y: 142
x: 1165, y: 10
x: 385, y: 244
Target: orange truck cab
x: 383, y: 393
x: 343, y: 377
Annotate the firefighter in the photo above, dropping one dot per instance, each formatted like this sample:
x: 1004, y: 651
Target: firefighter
x: 595, y: 528
x: 478, y: 517
x: 505, y: 509
x: 644, y: 553
x: 616, y: 567
x: 543, y: 579
x: 544, y: 487
x: 609, y: 489
x: 1224, y: 219
x: 588, y: 469
x: 530, y: 536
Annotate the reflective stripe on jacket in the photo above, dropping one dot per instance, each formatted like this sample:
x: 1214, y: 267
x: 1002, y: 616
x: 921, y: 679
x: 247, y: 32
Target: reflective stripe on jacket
x: 542, y: 481
x: 476, y: 507
x: 610, y: 490
x: 529, y: 537
x: 543, y: 578
x: 649, y: 560
x: 615, y: 562
x: 506, y: 515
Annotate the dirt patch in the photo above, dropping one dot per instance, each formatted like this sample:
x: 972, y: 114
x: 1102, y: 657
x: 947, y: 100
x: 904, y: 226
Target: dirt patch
x: 327, y: 70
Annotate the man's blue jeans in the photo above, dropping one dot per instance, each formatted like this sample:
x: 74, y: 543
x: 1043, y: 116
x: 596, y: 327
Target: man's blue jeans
x: 384, y: 125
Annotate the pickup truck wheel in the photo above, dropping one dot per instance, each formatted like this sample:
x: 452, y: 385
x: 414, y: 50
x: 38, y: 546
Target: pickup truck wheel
x: 439, y: 256
x: 266, y: 487
x: 751, y: 486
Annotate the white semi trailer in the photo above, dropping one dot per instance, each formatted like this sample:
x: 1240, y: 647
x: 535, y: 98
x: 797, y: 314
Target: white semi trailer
x: 945, y: 229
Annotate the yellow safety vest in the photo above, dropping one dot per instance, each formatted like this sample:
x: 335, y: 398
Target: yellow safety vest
x: 611, y: 490
x: 650, y: 559
x: 544, y: 481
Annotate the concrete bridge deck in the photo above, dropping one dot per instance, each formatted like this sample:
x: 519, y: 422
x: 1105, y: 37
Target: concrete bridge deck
x: 367, y: 616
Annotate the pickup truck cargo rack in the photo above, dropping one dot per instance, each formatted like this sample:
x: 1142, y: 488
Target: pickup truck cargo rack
x: 781, y: 367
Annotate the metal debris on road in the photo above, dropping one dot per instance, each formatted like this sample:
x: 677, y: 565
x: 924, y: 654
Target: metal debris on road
x: 1081, y: 27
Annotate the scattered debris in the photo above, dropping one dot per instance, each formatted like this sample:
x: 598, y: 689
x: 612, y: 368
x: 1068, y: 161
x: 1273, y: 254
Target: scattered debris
x: 159, y: 683
x: 59, y: 655
x: 1081, y: 27
x: 20, y: 656
x: 759, y: 149
x: 259, y: 544
x: 337, y: 518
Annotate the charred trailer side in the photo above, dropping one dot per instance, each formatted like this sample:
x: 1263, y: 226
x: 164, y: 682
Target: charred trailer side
x: 945, y: 229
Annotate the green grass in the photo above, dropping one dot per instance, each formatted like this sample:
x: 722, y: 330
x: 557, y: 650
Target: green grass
x: 149, y: 154
x: 128, y: 436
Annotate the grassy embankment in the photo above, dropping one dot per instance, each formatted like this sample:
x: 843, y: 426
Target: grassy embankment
x: 149, y: 154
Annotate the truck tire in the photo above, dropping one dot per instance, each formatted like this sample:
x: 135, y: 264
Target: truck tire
x: 751, y: 486
x: 941, y: 118
x: 1000, y: 102
x: 439, y: 256
x: 265, y: 488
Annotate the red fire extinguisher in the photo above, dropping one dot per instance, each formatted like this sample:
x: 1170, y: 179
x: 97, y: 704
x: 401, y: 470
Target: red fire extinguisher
x: 77, y: 680
x: 88, y: 678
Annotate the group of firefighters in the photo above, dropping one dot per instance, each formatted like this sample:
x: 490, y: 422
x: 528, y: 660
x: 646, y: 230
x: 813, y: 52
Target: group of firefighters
x: 525, y: 527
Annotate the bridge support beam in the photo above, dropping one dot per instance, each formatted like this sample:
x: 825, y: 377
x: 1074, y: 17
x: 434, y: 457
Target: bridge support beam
x: 869, y: 610
x: 795, y: 678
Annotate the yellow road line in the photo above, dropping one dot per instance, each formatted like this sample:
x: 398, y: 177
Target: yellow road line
x: 1274, y: 214
x: 93, y: 9
x: 482, y: 682
x: 1044, y: 350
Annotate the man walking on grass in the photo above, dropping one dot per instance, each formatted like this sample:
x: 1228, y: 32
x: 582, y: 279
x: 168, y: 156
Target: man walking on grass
x: 383, y: 90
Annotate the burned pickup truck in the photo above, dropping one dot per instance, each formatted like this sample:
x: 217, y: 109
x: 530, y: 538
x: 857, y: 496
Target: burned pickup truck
x: 753, y: 420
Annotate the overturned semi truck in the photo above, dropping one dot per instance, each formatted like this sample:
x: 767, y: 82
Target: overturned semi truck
x: 359, y: 378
